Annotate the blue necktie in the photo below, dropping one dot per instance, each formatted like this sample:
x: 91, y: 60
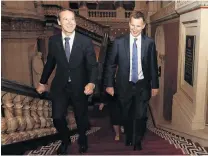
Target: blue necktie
x: 134, y: 76
x: 67, y: 47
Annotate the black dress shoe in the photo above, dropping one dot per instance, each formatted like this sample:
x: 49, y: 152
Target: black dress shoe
x: 128, y: 143
x: 62, y: 150
x: 138, y: 146
x: 83, y: 149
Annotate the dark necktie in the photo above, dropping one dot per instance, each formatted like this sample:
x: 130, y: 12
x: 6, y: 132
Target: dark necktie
x: 67, y: 47
x: 67, y: 51
x: 134, y: 76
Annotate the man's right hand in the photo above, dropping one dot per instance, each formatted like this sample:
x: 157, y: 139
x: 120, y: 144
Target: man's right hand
x: 110, y: 90
x: 41, y: 88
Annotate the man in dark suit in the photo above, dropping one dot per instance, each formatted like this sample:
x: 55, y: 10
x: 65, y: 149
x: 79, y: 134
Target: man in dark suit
x: 134, y: 56
x: 76, y: 73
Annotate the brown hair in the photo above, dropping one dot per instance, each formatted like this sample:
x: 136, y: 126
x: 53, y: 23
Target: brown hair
x: 137, y: 14
x: 58, y: 15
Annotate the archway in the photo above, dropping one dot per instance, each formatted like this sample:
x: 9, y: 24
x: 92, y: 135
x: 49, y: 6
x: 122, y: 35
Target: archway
x: 158, y: 100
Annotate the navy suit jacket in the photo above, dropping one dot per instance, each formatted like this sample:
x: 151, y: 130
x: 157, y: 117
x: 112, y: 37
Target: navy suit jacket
x: 81, y: 68
x: 119, y: 59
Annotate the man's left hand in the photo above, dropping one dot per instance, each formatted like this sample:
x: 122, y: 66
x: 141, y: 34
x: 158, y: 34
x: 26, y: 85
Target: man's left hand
x: 89, y: 88
x: 155, y: 92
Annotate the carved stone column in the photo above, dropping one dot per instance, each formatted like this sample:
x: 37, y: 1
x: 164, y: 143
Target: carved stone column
x: 8, y: 105
x: 140, y: 5
x: 120, y: 11
x: 19, y: 112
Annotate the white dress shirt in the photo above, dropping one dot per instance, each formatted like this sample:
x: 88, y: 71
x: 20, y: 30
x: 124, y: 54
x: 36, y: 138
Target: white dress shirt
x: 138, y: 42
x: 71, y: 41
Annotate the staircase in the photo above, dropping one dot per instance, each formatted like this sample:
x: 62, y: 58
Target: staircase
x: 101, y: 136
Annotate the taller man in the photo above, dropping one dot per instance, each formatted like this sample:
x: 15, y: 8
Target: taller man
x: 134, y: 56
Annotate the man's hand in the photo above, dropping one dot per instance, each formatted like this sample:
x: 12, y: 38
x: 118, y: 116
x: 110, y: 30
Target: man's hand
x: 155, y: 92
x: 101, y: 106
x: 41, y: 88
x: 89, y: 88
x: 110, y: 90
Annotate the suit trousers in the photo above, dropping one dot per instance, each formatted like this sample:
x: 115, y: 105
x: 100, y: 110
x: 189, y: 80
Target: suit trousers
x: 134, y: 109
x: 60, y: 103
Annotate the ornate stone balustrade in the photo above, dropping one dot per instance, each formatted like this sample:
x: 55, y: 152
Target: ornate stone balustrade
x: 26, y: 117
x: 102, y: 13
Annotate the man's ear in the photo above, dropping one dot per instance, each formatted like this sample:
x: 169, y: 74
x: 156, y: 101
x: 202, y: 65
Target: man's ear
x: 144, y: 25
x: 58, y: 22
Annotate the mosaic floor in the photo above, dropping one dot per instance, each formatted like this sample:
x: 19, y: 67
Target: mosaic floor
x: 180, y: 143
x: 52, y: 148
x: 186, y: 145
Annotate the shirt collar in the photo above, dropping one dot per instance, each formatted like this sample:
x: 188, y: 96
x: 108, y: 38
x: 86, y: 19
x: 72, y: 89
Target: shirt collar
x: 71, y: 36
x: 138, y: 37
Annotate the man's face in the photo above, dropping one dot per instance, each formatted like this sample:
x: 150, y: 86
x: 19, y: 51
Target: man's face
x: 67, y: 21
x: 136, y: 26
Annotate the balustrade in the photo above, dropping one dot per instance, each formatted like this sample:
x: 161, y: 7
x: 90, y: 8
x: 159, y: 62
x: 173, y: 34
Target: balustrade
x: 27, y: 117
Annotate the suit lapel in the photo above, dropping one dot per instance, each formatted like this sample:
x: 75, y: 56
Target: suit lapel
x: 143, y: 47
x: 74, y: 51
x: 127, y: 47
x: 61, y: 49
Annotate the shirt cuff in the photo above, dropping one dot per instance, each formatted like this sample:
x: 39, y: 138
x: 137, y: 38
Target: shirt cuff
x: 41, y: 84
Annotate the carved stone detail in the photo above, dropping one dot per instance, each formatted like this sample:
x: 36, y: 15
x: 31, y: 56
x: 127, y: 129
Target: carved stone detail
x: 21, y: 25
x: 165, y: 13
x: 185, y: 6
x: 27, y: 9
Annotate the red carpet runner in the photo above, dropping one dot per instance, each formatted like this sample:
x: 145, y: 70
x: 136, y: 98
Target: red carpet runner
x: 102, y: 142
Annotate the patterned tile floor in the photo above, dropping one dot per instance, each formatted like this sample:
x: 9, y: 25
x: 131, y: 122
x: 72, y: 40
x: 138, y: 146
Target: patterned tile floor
x: 186, y: 145
x: 51, y: 148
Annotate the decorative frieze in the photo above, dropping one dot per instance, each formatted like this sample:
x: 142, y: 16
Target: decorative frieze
x: 182, y: 6
x: 165, y: 13
x: 18, y: 9
x: 21, y: 25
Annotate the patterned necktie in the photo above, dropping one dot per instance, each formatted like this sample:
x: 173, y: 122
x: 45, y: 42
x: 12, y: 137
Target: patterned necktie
x: 134, y: 76
x: 67, y: 47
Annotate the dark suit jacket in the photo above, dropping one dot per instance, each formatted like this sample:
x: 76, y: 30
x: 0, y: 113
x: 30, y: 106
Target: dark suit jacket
x: 81, y: 68
x: 120, y: 56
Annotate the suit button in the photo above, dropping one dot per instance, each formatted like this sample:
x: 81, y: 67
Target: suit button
x: 68, y: 70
